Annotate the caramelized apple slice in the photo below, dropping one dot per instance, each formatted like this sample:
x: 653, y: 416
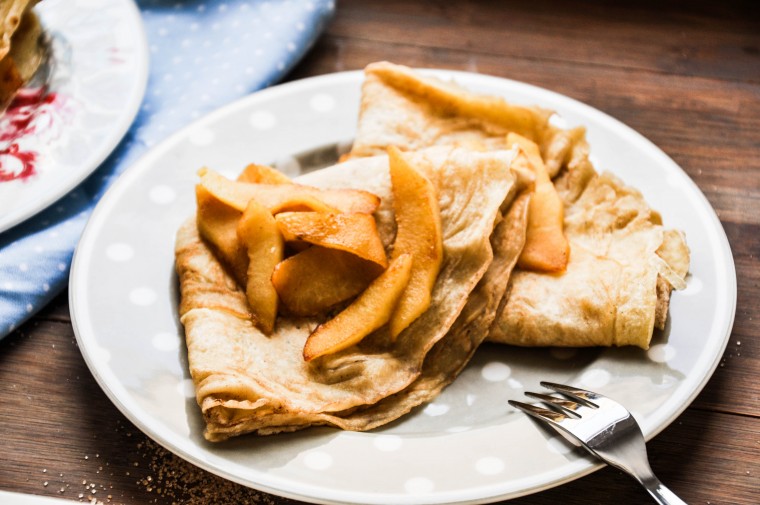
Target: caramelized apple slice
x: 313, y: 281
x: 217, y: 224
x: 262, y: 174
x: 371, y: 310
x: 546, y: 247
x: 418, y: 221
x: 259, y: 233
x: 288, y: 197
x: 354, y: 233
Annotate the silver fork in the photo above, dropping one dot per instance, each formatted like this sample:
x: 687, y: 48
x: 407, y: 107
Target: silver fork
x: 603, y: 427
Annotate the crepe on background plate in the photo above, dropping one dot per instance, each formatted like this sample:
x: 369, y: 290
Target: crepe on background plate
x: 22, y: 49
x: 623, y: 262
x: 250, y: 382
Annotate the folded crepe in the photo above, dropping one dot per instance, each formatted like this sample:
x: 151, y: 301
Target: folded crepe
x: 623, y: 263
x: 247, y: 381
x: 616, y: 288
x: 450, y: 355
x: 22, y: 49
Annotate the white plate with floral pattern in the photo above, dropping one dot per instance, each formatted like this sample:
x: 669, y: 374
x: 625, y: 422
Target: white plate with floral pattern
x: 78, y: 107
x: 468, y: 446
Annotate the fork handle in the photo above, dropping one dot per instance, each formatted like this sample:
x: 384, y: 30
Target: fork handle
x: 660, y: 493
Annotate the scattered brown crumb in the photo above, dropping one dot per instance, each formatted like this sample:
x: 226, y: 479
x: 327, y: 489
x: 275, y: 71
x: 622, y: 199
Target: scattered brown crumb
x: 178, y: 482
x: 161, y: 478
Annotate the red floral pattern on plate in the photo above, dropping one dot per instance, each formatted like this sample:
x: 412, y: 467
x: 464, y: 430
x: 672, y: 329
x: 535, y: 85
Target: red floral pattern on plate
x: 27, y: 122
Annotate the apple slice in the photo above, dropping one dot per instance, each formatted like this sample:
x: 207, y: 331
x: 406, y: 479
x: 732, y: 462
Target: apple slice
x: 546, y: 247
x: 259, y: 233
x: 354, y: 233
x: 313, y: 281
x: 262, y: 174
x: 287, y: 197
x: 418, y: 221
x: 217, y: 224
x: 371, y: 310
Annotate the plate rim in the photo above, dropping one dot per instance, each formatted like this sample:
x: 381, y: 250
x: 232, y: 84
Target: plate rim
x: 328, y: 496
x: 104, y: 149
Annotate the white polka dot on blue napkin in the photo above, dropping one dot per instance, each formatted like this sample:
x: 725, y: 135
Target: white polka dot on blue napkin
x: 204, y: 54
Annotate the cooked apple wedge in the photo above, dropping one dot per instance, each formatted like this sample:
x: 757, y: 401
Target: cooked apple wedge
x: 287, y: 197
x: 262, y: 174
x: 371, y: 310
x: 354, y: 233
x: 418, y: 222
x: 546, y: 247
x: 217, y: 224
x: 314, y: 280
x: 275, y: 197
x: 259, y: 233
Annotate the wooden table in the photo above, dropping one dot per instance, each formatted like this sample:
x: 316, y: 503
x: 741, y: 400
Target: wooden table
x: 686, y: 75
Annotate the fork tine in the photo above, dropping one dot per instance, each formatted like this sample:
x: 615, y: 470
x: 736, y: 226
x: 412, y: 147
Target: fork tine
x: 541, y: 413
x: 582, y: 395
x: 562, y: 404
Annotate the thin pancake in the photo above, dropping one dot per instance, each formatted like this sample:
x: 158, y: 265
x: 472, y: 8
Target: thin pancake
x: 609, y: 294
x: 22, y: 50
x: 403, y: 108
x: 11, y: 12
x: 623, y: 262
x: 450, y: 355
x: 246, y: 381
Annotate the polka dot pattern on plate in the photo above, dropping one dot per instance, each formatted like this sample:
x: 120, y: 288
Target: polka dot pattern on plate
x: 514, y: 383
x: 165, y: 341
x: 557, y: 121
x: 318, y: 460
x: 229, y: 174
x: 661, y: 353
x: 322, y: 102
x: 419, y: 485
x: 595, y: 378
x: 496, y: 371
x: 436, y: 409
x: 162, y: 194
x: 186, y: 388
x: 388, y: 443
x: 263, y: 120
x: 489, y: 465
x: 693, y: 286
x: 120, y: 252
x: 142, y: 296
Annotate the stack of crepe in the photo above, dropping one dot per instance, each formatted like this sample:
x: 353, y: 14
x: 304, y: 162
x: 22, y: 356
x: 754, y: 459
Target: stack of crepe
x: 623, y: 263
x: 247, y: 380
x: 22, y: 50
x: 615, y: 289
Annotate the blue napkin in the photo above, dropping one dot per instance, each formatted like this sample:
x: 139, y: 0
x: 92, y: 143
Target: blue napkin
x: 259, y: 42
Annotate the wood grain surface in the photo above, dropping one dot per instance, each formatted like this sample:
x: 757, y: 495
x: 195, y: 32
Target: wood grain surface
x: 684, y: 74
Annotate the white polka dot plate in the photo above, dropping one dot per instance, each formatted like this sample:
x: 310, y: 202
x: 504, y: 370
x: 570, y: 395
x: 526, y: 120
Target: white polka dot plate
x: 78, y: 107
x: 468, y: 446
